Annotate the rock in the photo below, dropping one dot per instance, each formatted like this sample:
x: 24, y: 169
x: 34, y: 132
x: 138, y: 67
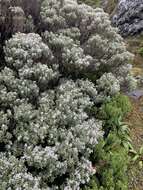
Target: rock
x: 128, y: 17
x: 136, y: 94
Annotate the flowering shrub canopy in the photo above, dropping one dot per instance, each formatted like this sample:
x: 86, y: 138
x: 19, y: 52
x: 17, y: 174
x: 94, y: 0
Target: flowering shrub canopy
x: 49, y: 85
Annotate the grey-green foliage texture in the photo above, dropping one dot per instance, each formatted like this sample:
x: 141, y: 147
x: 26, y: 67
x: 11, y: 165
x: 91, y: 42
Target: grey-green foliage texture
x: 46, y: 91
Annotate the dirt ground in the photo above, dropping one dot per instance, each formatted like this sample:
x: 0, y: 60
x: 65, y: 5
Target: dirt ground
x: 135, y: 121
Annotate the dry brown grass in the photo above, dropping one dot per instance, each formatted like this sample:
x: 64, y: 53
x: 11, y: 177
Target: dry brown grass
x: 111, y: 6
x: 133, y: 45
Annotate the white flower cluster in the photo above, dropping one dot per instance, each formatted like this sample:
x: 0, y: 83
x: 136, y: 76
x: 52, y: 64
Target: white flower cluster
x: 108, y: 85
x: 26, y: 49
x: 45, y: 122
x: 62, y: 128
x: 14, y: 175
x: 17, y: 10
x: 48, y: 88
x: 95, y: 47
x: 32, y: 59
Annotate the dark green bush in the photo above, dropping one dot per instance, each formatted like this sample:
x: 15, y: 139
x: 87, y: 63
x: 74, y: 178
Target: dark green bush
x: 112, y: 161
x: 117, y: 107
x: 110, y: 156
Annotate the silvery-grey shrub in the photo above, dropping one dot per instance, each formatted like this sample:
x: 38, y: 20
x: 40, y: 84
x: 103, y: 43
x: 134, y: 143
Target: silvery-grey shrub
x: 85, y: 40
x: 48, y: 86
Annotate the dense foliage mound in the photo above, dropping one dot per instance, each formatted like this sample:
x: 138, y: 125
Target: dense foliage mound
x: 128, y: 17
x: 50, y: 82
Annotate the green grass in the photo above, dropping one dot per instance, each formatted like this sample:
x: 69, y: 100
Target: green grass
x: 97, y: 3
x: 94, y: 3
x: 110, y: 156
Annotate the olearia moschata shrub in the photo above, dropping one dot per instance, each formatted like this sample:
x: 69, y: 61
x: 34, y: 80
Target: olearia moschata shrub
x: 46, y: 88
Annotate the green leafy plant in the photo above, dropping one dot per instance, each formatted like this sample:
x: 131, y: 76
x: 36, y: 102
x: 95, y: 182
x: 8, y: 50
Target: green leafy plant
x: 123, y: 133
x: 114, y: 110
x: 141, y: 51
x: 137, y: 156
x: 112, y: 160
x: 110, y: 156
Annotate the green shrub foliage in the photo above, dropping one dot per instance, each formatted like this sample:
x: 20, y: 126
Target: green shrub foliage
x: 48, y: 83
x: 117, y: 107
x: 111, y: 154
x: 141, y: 51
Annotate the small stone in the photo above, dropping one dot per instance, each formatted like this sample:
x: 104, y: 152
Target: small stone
x: 136, y: 94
